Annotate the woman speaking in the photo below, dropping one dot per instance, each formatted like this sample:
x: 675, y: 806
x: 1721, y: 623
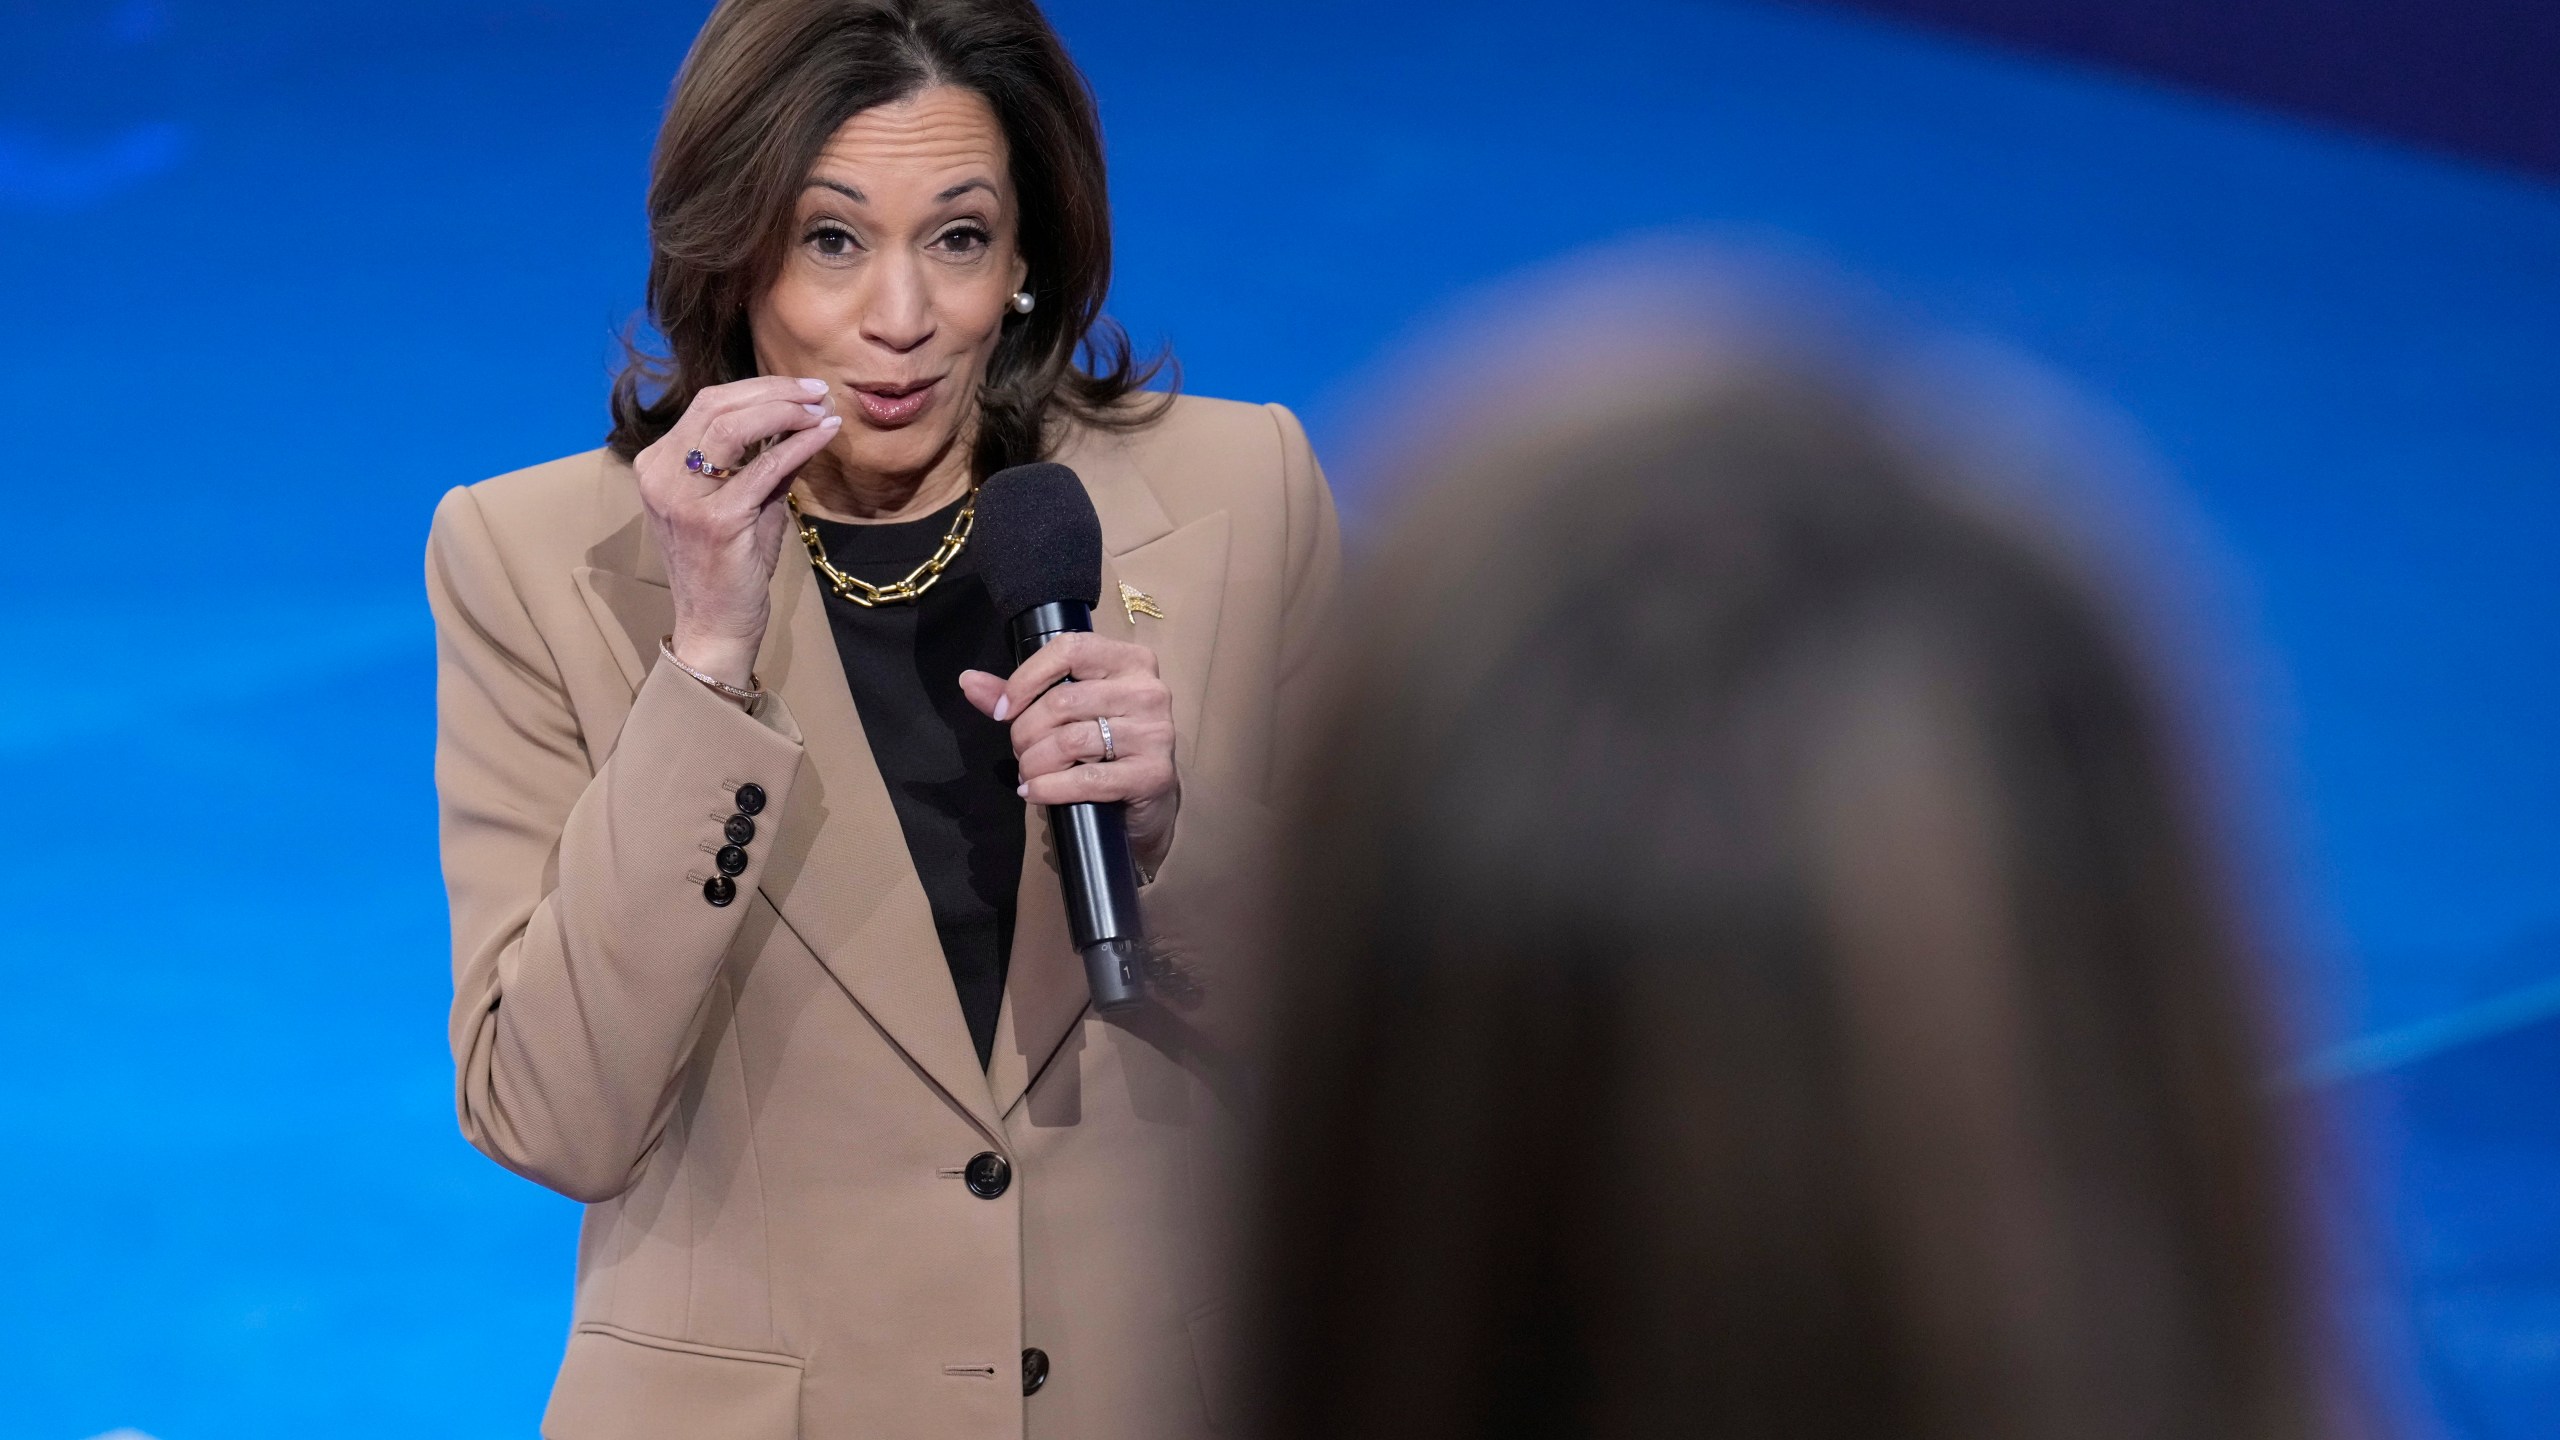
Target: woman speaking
x: 756, y: 949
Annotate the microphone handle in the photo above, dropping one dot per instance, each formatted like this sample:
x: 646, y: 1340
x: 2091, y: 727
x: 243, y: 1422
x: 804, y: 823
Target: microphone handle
x: 1095, y: 870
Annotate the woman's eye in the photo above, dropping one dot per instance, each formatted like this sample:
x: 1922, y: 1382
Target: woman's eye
x: 964, y: 240
x: 830, y: 241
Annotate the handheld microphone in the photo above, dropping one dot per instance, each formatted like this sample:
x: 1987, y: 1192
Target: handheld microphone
x: 1039, y: 548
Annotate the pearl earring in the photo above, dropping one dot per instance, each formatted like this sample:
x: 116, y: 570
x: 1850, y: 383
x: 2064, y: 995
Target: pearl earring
x: 1022, y: 302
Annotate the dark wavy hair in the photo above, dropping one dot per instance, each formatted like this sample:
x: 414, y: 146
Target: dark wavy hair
x: 767, y: 83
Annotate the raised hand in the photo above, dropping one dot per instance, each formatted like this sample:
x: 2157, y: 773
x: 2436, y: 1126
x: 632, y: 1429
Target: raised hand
x: 722, y: 537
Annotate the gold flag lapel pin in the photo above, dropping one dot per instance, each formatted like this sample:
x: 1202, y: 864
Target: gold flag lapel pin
x: 1138, y: 602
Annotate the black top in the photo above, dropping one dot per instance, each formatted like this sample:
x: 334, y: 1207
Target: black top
x: 949, y: 769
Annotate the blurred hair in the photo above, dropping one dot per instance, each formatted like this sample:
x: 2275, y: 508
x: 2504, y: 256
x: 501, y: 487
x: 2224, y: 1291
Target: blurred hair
x: 768, y: 82
x: 1753, y: 969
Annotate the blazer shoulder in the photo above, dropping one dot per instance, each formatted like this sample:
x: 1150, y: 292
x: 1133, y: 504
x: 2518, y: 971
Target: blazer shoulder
x: 550, y: 514
x: 1206, y: 454
x: 1243, y: 436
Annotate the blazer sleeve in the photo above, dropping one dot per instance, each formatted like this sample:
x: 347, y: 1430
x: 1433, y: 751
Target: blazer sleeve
x: 584, y: 949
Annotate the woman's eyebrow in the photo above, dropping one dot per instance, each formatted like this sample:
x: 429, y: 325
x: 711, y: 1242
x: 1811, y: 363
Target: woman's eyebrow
x: 947, y: 196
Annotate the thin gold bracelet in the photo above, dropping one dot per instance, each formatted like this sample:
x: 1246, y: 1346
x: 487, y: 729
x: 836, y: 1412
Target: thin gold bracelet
x: 746, y: 698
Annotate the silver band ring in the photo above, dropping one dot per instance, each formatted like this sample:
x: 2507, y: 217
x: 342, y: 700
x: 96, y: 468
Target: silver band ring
x: 695, y: 461
x: 1109, y: 752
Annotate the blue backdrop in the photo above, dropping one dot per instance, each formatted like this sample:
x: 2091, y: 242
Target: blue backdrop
x: 273, y: 275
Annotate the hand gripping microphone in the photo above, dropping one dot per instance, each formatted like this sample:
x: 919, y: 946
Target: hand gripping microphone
x: 1039, y: 548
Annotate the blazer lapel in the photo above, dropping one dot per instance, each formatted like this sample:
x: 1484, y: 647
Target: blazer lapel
x: 1183, y: 571
x: 633, y: 614
x: 1184, y: 574
x: 842, y: 876
x: 1044, y: 989
x: 838, y: 870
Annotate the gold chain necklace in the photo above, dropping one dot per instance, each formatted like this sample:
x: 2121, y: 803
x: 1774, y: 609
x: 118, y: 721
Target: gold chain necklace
x: 916, y: 582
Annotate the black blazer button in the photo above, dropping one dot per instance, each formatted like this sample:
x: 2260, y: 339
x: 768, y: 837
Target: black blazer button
x: 988, y: 1175
x: 739, y: 829
x: 750, y: 798
x: 731, y: 860
x: 1035, y: 1369
x: 719, y: 889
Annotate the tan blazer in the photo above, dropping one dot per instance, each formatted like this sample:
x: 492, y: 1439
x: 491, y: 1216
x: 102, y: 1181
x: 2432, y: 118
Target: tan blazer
x: 769, y: 1107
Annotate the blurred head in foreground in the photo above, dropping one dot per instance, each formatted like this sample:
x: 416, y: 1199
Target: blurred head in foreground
x: 1755, y: 971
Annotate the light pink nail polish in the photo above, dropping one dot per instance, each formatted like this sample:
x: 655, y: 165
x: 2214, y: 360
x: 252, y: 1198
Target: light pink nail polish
x: 1023, y: 790
x: 1004, y: 706
x: 831, y: 422
x: 814, y: 387
x: 814, y: 408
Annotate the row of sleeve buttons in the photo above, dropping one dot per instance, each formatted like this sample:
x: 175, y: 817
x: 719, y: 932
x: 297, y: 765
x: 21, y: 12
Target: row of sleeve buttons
x: 738, y: 830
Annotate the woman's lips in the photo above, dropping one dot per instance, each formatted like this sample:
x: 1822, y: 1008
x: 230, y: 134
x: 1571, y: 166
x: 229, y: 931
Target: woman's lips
x: 890, y: 406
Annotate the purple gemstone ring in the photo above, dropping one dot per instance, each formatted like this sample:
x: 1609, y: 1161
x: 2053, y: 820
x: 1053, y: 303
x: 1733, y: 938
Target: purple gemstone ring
x: 694, y: 461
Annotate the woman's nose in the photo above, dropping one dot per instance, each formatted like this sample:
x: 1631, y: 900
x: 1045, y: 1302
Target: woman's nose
x: 898, y: 313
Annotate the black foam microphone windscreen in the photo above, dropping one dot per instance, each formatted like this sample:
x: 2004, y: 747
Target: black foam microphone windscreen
x: 1038, y: 539
x: 1039, y: 547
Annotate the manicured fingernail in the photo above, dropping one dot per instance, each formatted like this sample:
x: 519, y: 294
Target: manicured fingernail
x: 1004, y: 706
x: 814, y: 387
x: 814, y: 408
x: 831, y: 422
x: 1023, y: 790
